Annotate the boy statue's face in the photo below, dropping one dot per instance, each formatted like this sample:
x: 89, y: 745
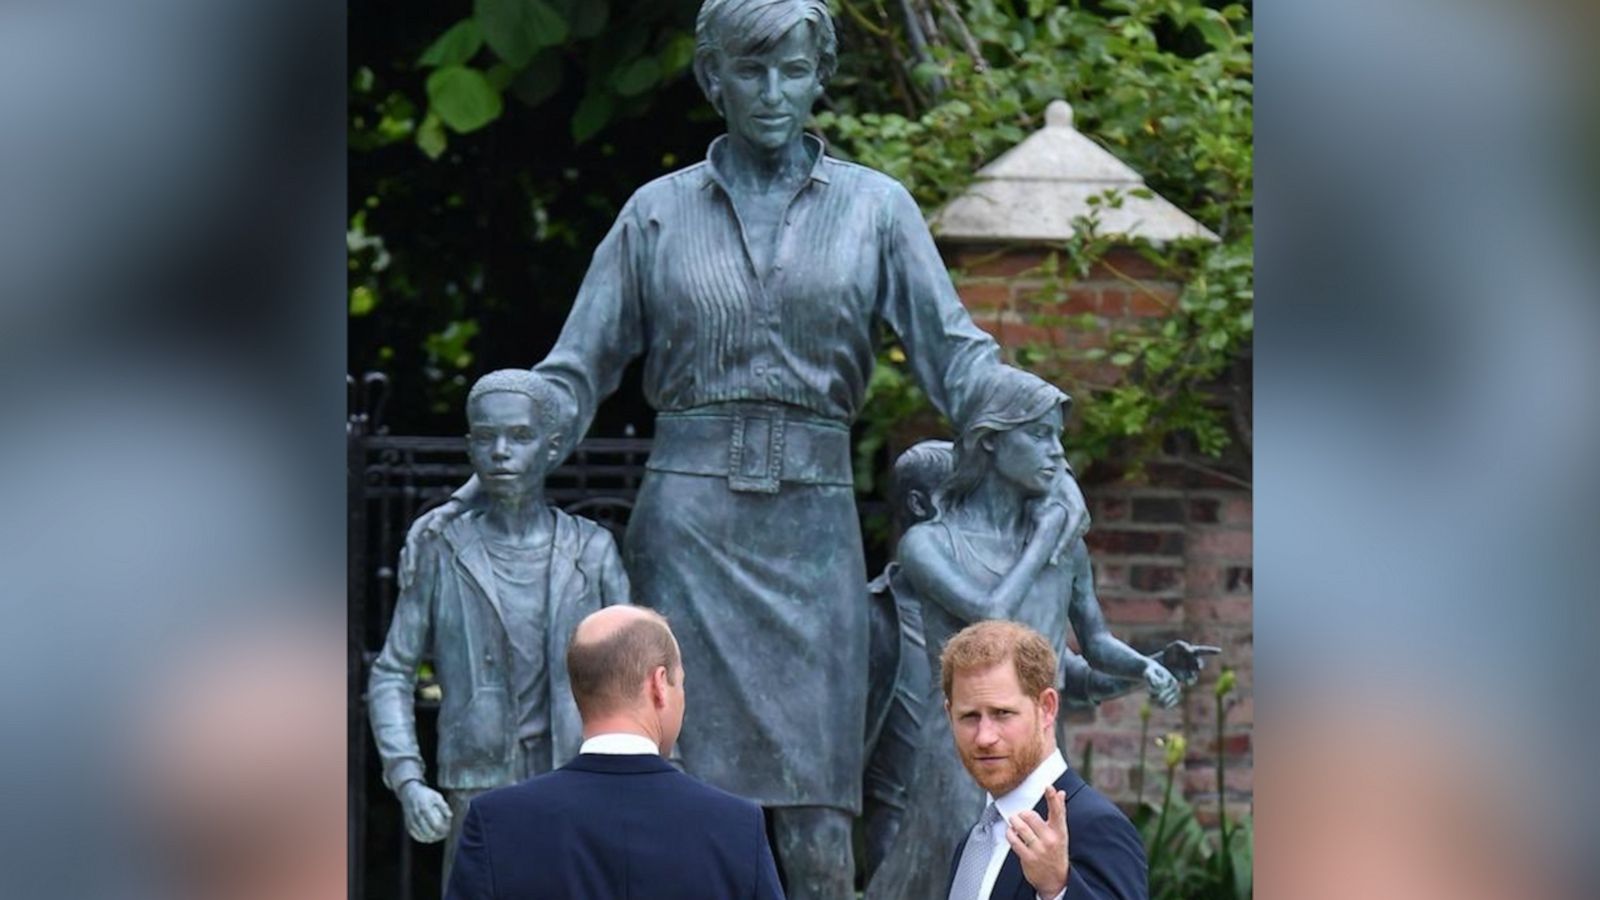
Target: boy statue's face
x: 509, y: 451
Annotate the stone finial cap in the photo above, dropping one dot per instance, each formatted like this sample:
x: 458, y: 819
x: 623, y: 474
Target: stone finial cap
x: 1035, y: 190
x: 1058, y: 114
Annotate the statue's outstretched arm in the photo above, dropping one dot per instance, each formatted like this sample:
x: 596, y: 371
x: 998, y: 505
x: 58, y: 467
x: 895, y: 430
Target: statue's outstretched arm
x: 1103, y: 650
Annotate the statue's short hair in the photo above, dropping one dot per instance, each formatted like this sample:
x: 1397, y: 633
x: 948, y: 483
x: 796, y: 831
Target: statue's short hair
x: 984, y: 645
x: 743, y: 27
x: 608, y: 674
x: 547, y: 401
x: 922, y: 467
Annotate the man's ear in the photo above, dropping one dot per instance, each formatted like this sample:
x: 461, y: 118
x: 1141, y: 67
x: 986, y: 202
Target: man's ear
x: 987, y: 442
x: 1049, y: 706
x: 658, y: 687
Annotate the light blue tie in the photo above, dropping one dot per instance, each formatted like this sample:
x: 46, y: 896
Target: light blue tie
x: 975, y: 857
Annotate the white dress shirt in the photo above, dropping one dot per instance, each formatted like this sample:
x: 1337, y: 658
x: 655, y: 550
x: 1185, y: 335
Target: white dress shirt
x: 1024, y: 797
x: 620, y: 743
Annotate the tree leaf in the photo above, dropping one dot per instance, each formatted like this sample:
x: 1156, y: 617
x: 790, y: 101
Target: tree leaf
x: 500, y: 76
x: 463, y: 98
x: 454, y: 47
x: 593, y: 112
x: 362, y: 300
x: 517, y: 29
x: 431, y: 138
x: 636, y: 77
x: 589, y: 19
x: 540, y: 80
x: 1214, y: 28
x: 677, y: 54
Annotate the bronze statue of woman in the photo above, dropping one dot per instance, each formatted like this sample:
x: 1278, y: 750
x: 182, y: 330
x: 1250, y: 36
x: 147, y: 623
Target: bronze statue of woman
x: 753, y: 285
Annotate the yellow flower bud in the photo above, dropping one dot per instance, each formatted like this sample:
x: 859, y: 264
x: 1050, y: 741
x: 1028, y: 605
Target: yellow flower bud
x: 1176, y: 745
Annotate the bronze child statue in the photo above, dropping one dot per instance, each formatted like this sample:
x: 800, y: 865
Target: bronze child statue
x: 491, y: 599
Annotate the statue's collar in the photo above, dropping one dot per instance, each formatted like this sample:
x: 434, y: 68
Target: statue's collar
x: 815, y: 145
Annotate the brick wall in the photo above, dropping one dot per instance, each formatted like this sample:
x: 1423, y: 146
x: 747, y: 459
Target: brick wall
x: 1172, y: 554
x: 1007, y: 290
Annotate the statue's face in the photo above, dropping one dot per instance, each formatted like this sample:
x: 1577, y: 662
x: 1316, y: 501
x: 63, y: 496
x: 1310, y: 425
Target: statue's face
x: 508, y: 450
x: 767, y: 97
x: 1030, y: 456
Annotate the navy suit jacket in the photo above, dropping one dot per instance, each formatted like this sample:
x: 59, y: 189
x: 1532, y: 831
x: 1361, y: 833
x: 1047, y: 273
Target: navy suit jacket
x: 1104, y: 852
x: 610, y: 828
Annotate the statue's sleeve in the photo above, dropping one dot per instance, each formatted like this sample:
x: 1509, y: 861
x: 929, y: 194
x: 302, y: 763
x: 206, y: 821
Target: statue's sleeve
x: 604, y: 331
x: 943, y: 346
x: 391, y: 687
x: 614, y: 587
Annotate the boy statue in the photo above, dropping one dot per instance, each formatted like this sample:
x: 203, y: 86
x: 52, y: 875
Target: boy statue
x: 492, y: 599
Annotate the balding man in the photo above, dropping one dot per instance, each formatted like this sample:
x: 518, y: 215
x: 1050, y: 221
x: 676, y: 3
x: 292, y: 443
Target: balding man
x: 617, y: 821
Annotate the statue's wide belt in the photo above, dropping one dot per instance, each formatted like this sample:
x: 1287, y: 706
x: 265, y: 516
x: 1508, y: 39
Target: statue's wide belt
x: 756, y: 446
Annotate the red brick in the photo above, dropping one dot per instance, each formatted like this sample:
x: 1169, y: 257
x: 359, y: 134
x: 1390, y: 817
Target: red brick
x: 1221, y: 609
x: 1162, y: 510
x: 1221, y: 543
x: 1237, y: 510
x: 1125, y: 262
x: 985, y: 296
x: 1204, y: 509
x: 1110, y: 577
x: 1113, y: 744
x: 999, y: 263
x: 1149, y: 543
x: 1108, y: 509
x: 1152, y: 300
x: 1241, y: 579
x: 1151, y: 579
x: 1201, y: 579
x: 1081, y: 300
x: 1127, y: 610
x: 1114, y: 302
x: 1111, y: 780
x: 1202, y: 779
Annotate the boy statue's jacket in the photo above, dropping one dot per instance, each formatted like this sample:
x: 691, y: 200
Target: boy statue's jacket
x: 449, y: 613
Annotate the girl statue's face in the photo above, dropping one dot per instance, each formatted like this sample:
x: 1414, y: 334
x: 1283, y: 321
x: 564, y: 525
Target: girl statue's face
x: 1030, y: 456
x: 766, y: 97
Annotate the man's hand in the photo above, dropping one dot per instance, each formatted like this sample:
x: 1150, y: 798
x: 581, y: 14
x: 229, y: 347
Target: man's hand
x: 1185, y: 660
x: 1163, y: 687
x: 1042, y: 846
x: 427, y: 813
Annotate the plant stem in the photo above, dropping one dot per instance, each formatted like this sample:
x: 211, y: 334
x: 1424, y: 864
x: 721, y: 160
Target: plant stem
x: 1222, y: 803
x: 1159, y: 844
x: 1144, y: 747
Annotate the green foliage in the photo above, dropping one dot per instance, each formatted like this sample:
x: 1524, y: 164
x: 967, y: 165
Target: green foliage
x: 463, y: 98
x: 1166, y: 86
x: 1185, y: 862
x: 517, y: 29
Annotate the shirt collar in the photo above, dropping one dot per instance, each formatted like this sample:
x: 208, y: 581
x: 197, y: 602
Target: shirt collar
x: 620, y: 743
x: 813, y: 142
x: 1026, y: 795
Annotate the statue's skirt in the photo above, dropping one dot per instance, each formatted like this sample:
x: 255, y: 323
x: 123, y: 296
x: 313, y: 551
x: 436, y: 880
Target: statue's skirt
x: 767, y: 595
